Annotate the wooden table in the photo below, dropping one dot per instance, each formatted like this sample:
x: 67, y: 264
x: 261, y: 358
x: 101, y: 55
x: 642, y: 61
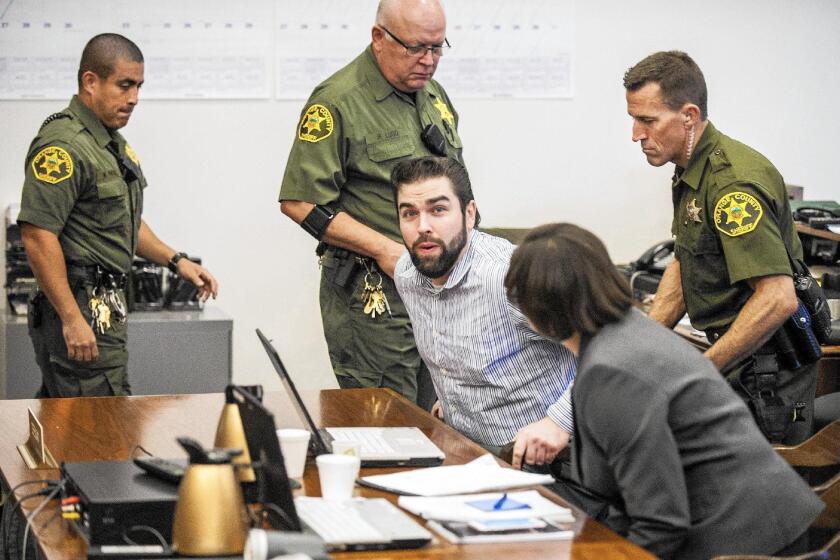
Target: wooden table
x: 85, y: 429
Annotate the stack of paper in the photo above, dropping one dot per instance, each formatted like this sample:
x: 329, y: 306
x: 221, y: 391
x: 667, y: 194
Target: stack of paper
x: 494, y: 517
x: 480, y: 475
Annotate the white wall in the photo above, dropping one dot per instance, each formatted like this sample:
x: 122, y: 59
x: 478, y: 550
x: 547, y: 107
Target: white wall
x: 215, y: 166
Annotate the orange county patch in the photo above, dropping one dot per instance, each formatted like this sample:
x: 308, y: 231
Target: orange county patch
x: 316, y: 124
x: 52, y: 165
x: 737, y: 213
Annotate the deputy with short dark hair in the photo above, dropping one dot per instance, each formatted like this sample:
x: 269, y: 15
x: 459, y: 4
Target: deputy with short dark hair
x: 381, y: 108
x: 735, y: 239
x: 81, y: 226
x: 658, y: 433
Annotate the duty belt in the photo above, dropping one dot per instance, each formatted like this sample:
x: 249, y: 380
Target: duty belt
x: 765, y: 358
x: 97, y: 276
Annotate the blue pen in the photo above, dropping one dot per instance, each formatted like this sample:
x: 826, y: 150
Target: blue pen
x: 501, y: 502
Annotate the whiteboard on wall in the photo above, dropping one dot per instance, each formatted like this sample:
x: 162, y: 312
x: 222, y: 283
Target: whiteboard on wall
x: 257, y: 49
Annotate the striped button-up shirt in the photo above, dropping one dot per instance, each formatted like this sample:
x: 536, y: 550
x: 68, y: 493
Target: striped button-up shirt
x: 493, y: 374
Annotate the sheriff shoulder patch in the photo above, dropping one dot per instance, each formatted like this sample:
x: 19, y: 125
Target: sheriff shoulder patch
x: 52, y: 165
x: 132, y: 155
x: 316, y: 124
x: 737, y: 213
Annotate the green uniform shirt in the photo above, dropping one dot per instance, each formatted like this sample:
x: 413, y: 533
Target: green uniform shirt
x: 732, y: 222
x: 353, y: 131
x: 75, y: 188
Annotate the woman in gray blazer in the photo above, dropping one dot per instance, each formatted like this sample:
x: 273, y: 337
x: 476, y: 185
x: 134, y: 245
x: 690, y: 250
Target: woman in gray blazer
x: 658, y: 434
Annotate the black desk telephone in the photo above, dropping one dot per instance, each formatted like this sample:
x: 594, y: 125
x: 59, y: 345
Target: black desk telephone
x: 655, y: 259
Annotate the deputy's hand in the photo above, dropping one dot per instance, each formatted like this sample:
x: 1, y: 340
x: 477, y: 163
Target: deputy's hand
x: 387, y: 260
x: 539, y: 443
x: 437, y: 411
x: 200, y: 276
x: 80, y: 340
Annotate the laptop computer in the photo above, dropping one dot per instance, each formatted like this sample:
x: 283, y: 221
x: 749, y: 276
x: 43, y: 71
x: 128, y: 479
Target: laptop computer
x: 380, y: 447
x: 359, y: 524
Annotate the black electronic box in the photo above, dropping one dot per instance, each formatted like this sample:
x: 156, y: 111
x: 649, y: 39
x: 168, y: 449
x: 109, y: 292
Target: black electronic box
x: 118, y: 503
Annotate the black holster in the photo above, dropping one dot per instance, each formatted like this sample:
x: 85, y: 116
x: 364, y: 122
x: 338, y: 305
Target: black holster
x: 340, y: 265
x: 34, y: 310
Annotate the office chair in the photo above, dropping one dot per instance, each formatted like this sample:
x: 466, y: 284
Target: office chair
x: 820, y: 450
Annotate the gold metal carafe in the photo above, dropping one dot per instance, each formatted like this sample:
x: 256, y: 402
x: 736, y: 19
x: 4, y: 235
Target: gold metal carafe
x: 230, y: 434
x: 210, y: 517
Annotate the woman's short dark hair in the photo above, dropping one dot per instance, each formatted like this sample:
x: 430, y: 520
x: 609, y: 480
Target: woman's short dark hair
x: 563, y: 280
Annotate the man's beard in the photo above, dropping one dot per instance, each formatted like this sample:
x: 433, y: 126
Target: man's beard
x: 435, y: 267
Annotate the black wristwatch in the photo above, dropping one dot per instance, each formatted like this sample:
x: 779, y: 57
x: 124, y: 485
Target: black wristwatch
x: 173, y: 262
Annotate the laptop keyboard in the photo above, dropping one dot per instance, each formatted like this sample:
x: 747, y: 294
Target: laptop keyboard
x: 337, y: 522
x: 372, y: 441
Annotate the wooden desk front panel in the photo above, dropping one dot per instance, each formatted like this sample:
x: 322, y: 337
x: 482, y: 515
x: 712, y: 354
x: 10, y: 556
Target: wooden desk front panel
x: 87, y: 429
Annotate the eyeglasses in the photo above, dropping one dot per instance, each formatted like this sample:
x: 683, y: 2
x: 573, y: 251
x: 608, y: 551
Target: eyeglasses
x: 420, y: 50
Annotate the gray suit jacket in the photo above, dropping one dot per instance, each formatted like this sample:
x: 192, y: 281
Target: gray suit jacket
x: 663, y: 438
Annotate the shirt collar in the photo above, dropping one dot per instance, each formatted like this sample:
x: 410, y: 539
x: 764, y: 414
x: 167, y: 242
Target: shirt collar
x: 91, y: 122
x: 459, y: 270
x: 381, y: 87
x: 692, y: 174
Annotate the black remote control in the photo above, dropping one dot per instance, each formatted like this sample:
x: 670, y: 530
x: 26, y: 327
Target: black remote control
x: 164, y: 469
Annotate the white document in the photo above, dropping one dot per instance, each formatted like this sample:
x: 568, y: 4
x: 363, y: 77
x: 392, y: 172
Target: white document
x: 458, y: 508
x: 480, y: 475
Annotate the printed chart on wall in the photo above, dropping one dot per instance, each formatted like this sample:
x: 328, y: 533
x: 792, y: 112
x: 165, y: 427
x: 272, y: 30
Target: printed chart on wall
x: 500, y: 49
x: 192, y: 48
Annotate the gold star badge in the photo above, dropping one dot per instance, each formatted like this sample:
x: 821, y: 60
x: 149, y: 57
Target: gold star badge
x: 132, y: 155
x: 693, y: 210
x: 52, y: 165
x: 444, y: 111
x: 737, y: 213
x: 316, y: 124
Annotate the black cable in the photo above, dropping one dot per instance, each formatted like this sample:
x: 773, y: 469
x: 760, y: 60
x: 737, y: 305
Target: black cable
x: 141, y: 448
x: 143, y: 528
x: 11, y: 496
x: 34, y: 513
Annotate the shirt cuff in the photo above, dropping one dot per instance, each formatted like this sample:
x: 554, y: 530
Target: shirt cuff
x: 561, y: 411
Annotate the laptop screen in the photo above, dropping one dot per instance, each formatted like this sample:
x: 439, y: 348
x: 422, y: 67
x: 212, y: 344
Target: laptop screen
x: 261, y: 435
x: 297, y: 402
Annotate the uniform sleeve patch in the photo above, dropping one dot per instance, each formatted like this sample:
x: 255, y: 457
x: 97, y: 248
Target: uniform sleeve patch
x: 132, y: 155
x: 737, y: 213
x: 52, y: 165
x: 316, y: 124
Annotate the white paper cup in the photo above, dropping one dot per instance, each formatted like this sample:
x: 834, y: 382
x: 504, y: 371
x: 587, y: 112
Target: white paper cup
x: 347, y: 447
x: 293, y: 444
x: 337, y: 474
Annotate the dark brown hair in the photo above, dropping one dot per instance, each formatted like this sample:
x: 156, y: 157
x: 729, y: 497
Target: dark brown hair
x: 676, y: 73
x: 102, y: 51
x: 431, y: 167
x: 563, y: 280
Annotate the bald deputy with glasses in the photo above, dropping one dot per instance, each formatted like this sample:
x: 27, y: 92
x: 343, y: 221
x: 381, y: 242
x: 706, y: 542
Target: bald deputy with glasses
x: 378, y: 110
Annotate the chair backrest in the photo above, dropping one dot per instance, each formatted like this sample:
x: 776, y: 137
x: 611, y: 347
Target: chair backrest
x: 820, y: 450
